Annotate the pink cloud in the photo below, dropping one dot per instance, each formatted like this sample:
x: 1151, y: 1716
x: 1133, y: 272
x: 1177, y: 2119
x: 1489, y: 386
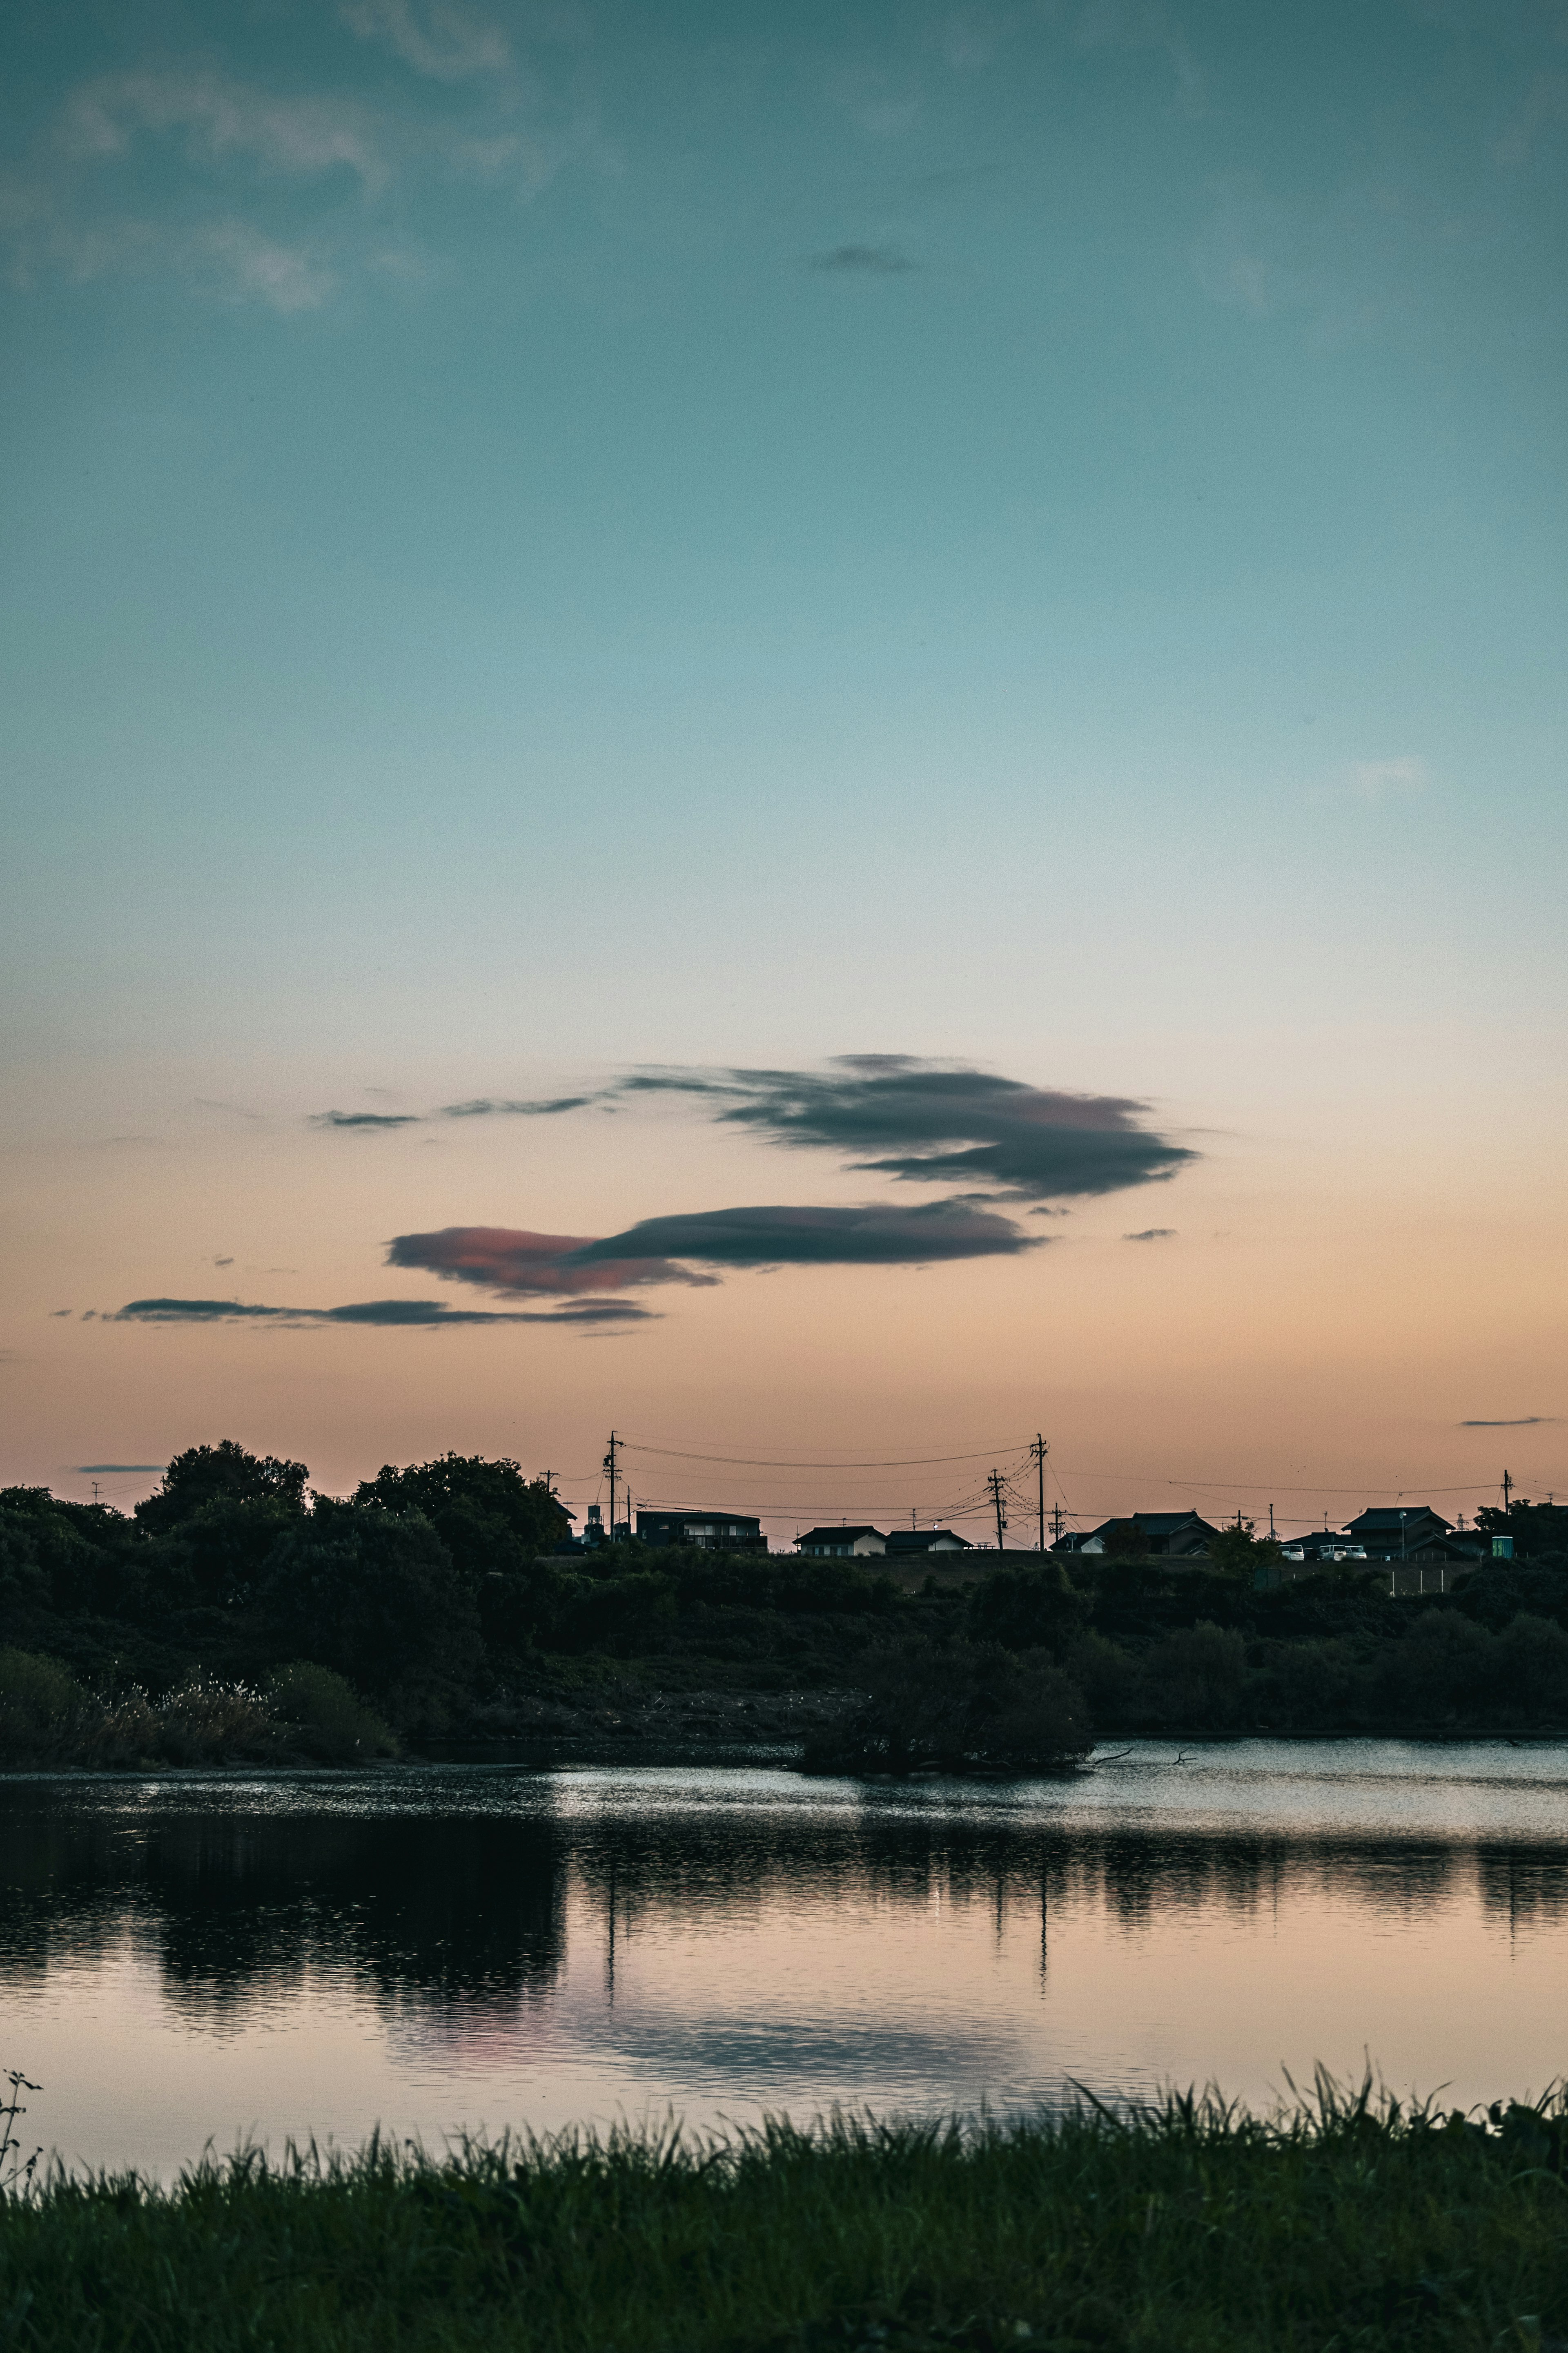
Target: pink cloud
x: 506, y: 1259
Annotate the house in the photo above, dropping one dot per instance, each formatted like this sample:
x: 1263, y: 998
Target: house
x: 908, y: 1543
x: 1401, y: 1532
x: 841, y: 1542
x: 1151, y: 1536
x: 708, y: 1531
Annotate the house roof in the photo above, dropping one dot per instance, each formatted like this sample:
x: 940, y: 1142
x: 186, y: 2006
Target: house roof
x: 922, y: 1539
x: 1156, y: 1523
x: 1393, y: 1516
x: 841, y: 1535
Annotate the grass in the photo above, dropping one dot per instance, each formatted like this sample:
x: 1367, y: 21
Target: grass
x: 1347, y: 2223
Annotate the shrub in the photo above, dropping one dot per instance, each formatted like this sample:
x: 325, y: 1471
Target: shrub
x: 1532, y: 1666
x: 1196, y: 1677
x: 960, y: 1706
x: 42, y: 1709
x: 326, y: 1716
x: 209, y: 1723
x: 1445, y: 1664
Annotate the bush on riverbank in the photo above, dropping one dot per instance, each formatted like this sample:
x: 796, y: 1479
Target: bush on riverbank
x: 958, y: 1707
x: 1190, y: 2229
x: 306, y: 1713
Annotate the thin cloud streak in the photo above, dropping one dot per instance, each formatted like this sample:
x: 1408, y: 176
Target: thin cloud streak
x: 877, y: 1234
x: 371, y: 1120
x: 423, y: 1315
x: 1519, y: 1422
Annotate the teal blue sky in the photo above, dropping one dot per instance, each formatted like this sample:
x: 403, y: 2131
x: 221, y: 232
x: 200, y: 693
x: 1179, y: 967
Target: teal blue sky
x: 542, y: 539
x: 560, y: 471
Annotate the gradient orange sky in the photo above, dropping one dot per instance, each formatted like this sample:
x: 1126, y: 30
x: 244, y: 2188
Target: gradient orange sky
x: 1034, y: 540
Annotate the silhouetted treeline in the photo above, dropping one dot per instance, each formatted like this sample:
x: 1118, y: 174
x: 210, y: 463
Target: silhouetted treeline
x: 437, y: 1594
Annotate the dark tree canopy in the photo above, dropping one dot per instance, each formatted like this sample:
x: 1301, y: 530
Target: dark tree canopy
x: 228, y: 1473
x: 1538, y: 1530
x: 488, y: 1514
x: 376, y: 1598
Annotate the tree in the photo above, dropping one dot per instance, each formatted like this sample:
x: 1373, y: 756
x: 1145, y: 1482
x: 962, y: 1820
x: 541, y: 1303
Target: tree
x: 373, y: 1595
x: 487, y: 1514
x: 1028, y: 1608
x: 207, y: 1474
x: 1539, y: 1530
x: 1238, y: 1551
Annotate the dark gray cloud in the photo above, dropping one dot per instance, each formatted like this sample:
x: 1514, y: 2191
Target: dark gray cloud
x: 364, y: 1119
x: 482, y: 1105
x: 419, y: 1314
x: 880, y: 1235
x: 1152, y: 1234
x: 1519, y: 1422
x: 939, y: 1123
x: 104, y: 1469
x: 509, y: 1259
x: 877, y: 261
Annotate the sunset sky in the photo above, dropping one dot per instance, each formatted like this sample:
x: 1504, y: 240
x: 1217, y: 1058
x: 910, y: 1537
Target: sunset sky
x: 843, y: 728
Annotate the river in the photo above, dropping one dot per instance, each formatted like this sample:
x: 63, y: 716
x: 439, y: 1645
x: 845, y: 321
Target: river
x: 200, y: 1959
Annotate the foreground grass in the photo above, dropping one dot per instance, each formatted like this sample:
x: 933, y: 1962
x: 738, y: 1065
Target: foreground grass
x: 1348, y: 2225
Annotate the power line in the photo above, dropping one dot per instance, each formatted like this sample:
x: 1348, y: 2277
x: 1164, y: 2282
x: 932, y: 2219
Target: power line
x: 778, y: 1463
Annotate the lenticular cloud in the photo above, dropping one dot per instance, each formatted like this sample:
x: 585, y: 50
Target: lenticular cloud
x: 508, y: 1259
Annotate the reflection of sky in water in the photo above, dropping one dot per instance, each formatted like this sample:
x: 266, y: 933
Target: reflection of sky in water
x: 189, y: 1959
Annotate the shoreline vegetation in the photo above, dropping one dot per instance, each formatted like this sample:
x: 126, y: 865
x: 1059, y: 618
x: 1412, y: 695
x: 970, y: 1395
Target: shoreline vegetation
x: 1190, y: 2226
x: 236, y: 1617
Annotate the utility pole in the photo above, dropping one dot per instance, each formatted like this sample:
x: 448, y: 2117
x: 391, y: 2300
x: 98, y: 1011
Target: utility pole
x: 611, y: 1460
x: 1271, y: 1524
x: 1055, y: 1524
x: 995, y: 1482
x: 1507, y: 1490
x: 95, y: 1490
x: 1038, y: 1452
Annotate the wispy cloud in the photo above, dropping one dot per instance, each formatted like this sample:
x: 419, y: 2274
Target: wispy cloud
x: 873, y: 1236
x: 247, y: 264
x: 107, y: 1469
x: 444, y: 41
x: 423, y: 1314
x: 482, y: 1107
x: 1152, y: 1234
x: 218, y: 116
x: 371, y: 1120
x: 870, y: 260
x: 1384, y: 780
x: 1518, y: 1421
x: 939, y: 1123
x: 257, y: 192
x: 1134, y: 25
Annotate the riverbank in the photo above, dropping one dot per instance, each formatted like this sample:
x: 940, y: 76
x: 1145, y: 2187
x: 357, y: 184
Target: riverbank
x: 1348, y: 2223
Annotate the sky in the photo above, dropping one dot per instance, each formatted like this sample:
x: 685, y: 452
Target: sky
x: 828, y: 735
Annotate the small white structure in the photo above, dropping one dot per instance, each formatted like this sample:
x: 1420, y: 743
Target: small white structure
x: 842, y: 1543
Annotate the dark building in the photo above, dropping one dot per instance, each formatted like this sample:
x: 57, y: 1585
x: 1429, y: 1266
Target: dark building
x: 1404, y: 1532
x: 708, y: 1531
x: 1148, y: 1535
x: 910, y: 1543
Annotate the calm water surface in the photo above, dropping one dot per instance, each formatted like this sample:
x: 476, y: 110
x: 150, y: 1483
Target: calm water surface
x: 198, y: 1959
